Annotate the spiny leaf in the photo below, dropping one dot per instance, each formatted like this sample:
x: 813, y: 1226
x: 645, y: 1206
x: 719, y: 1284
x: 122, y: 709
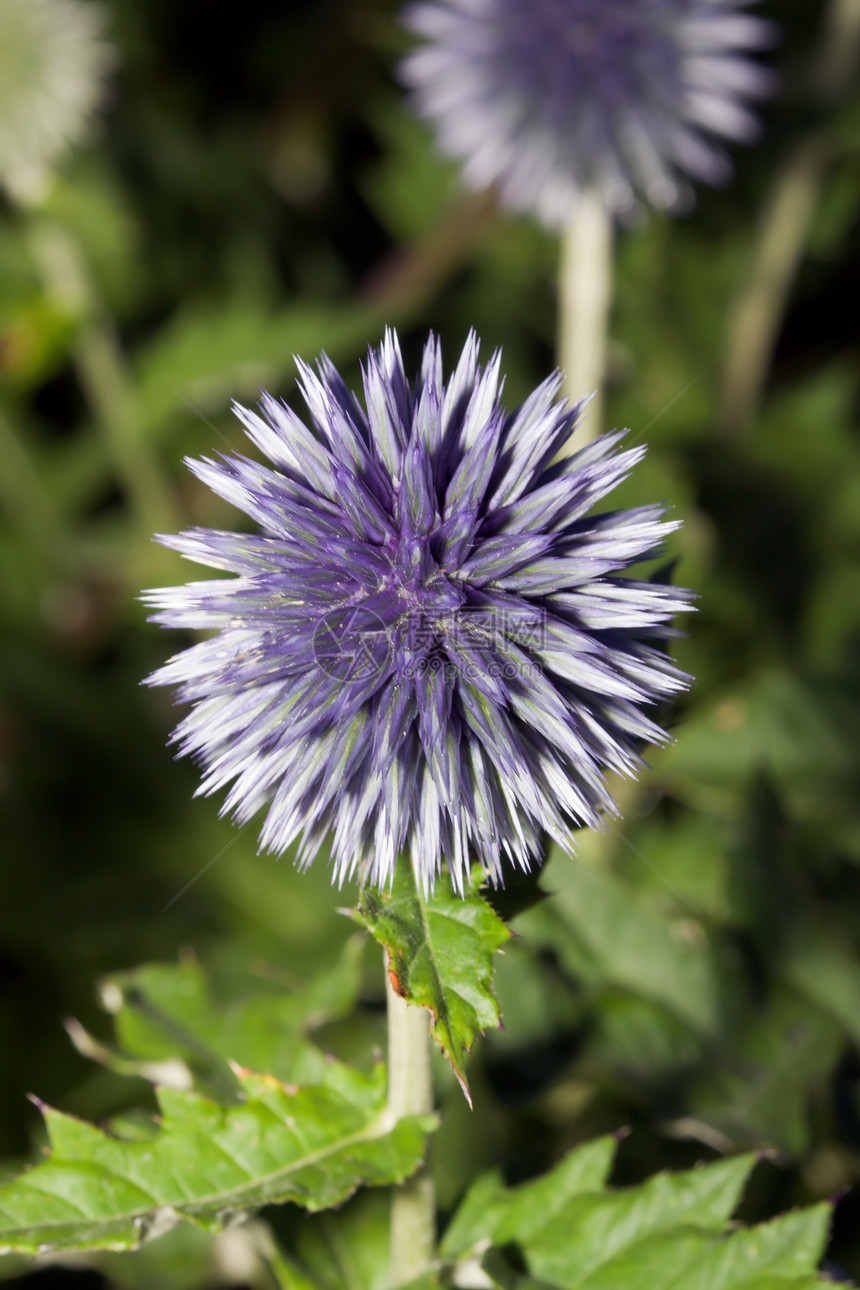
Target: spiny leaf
x: 490, y: 1210
x: 591, y: 1229
x: 687, y: 1259
x: 313, y: 1146
x: 670, y: 1231
x: 440, y: 955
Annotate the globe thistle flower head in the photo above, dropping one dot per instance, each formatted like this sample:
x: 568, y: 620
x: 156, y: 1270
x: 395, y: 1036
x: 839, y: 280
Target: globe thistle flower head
x: 545, y: 98
x: 430, y: 648
x: 52, y: 68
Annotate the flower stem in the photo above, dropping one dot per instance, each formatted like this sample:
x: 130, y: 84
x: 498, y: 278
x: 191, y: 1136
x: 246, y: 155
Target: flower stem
x: 102, y: 372
x: 760, y: 307
x: 585, y: 288
x: 28, y: 503
x: 784, y: 232
x: 410, y: 1092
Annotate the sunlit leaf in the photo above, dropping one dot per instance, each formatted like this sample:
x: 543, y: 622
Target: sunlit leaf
x: 208, y: 1163
x: 492, y: 1211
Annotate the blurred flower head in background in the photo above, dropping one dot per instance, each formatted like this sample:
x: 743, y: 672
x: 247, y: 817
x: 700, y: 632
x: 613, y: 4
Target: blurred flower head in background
x: 548, y: 97
x: 429, y: 648
x: 53, y: 64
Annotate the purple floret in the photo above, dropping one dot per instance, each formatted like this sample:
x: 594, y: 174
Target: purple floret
x: 546, y: 98
x: 430, y: 648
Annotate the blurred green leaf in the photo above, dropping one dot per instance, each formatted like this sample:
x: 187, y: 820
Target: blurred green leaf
x: 410, y: 187
x: 606, y: 934
x: 92, y: 205
x: 165, y: 1014
x: 690, y: 851
x: 640, y: 1040
x: 35, y: 334
x: 211, y: 353
x: 801, y: 732
x: 828, y: 975
x: 760, y: 1092
x: 183, y: 1259
x: 342, y: 1249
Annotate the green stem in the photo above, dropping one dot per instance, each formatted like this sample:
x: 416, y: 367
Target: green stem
x: 27, y: 502
x: 758, y: 311
x: 102, y: 372
x: 585, y: 289
x: 783, y: 235
x: 407, y: 279
x: 410, y: 1092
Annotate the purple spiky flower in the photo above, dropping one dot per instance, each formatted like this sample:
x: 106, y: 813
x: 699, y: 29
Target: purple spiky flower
x: 546, y: 98
x: 429, y: 648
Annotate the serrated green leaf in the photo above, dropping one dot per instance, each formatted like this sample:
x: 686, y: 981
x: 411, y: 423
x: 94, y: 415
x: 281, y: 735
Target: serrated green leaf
x: 440, y: 957
x: 789, y: 1246
x: 590, y: 1229
x: 313, y: 1146
x: 565, y: 1230
x: 659, y: 1260
x: 690, y: 1259
x: 491, y: 1210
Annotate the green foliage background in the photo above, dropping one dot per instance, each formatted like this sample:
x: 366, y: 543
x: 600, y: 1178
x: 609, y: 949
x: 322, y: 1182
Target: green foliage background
x: 257, y: 188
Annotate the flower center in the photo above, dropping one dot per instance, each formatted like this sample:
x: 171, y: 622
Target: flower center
x: 419, y: 580
x: 608, y: 54
x: 413, y: 608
